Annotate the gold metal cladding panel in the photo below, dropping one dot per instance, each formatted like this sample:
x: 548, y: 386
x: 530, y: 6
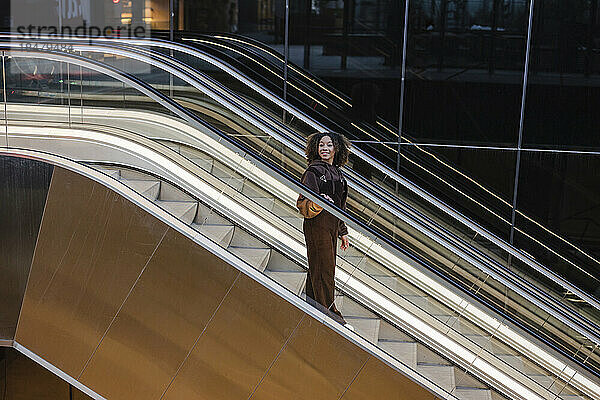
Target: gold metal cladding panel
x: 92, y: 246
x: 379, y: 381
x: 168, y: 309
x: 238, y: 345
x: 316, y: 364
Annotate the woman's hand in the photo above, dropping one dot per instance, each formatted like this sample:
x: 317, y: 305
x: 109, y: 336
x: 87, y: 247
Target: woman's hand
x: 345, y: 243
x: 327, y: 197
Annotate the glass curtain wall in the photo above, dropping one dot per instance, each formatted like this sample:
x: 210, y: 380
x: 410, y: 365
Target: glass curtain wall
x: 464, y: 83
x: 463, y: 105
x: 561, y: 140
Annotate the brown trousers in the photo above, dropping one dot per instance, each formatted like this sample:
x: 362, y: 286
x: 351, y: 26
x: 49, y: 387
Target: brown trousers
x: 320, y: 234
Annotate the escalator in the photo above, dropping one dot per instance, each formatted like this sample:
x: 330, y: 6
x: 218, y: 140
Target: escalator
x: 157, y: 314
x: 380, y: 272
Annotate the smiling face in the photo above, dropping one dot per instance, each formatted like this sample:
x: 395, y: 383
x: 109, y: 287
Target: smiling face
x: 326, y: 150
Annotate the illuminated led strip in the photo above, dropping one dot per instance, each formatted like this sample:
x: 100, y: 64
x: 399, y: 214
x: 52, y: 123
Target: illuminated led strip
x: 257, y: 62
x: 556, y: 254
x: 388, y: 129
x: 277, y: 56
x: 368, y: 134
x: 558, y: 237
x: 171, y: 168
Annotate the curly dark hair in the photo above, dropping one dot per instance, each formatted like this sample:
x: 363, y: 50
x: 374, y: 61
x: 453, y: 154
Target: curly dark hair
x: 340, y: 143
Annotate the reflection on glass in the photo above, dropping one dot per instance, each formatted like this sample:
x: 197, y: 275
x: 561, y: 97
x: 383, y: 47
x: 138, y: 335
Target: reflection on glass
x: 570, y: 216
x: 563, y: 87
x: 459, y: 55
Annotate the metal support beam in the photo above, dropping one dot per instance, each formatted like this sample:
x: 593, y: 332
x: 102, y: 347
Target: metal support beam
x: 520, y: 141
x: 402, y: 84
x: 286, y: 53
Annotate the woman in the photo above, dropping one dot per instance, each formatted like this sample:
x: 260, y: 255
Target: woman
x: 326, y: 153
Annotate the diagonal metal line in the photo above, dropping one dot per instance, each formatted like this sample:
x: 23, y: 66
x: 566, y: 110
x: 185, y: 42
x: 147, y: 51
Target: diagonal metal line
x: 283, y: 347
x: 64, y: 255
x: 199, y: 336
x: 354, y: 377
x: 123, y: 304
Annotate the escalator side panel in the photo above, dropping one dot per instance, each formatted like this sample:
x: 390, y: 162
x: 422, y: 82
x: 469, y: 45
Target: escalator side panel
x: 238, y: 346
x: 92, y: 246
x: 23, y: 189
x: 377, y: 380
x: 133, y: 309
x: 317, y: 355
x: 175, y: 298
x: 334, y: 369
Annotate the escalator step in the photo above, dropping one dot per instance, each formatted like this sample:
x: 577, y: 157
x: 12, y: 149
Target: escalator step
x: 148, y: 189
x: 442, y: 375
x: 294, y: 281
x: 472, y: 394
x: 221, y: 234
x: 184, y: 210
x: 256, y: 257
x: 265, y: 202
x: 403, y: 351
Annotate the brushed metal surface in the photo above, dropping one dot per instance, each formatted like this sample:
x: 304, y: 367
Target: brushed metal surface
x: 92, y: 246
x: 23, y: 189
x: 316, y: 364
x: 238, y: 346
x: 169, y: 307
x: 378, y: 381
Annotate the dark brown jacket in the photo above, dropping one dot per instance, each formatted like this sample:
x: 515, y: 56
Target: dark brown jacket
x: 323, y: 178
